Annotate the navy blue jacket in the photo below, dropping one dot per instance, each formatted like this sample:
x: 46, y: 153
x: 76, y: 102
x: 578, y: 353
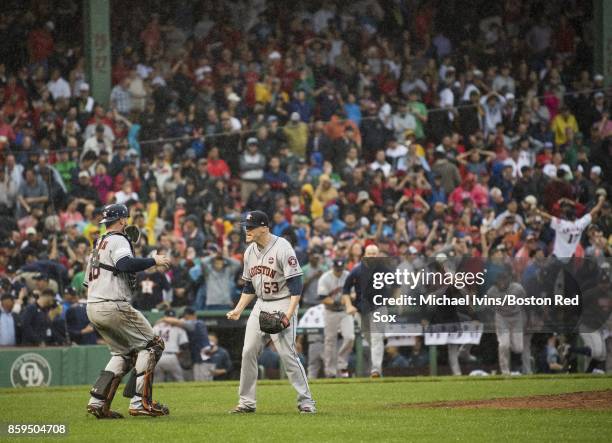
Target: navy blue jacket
x: 198, y: 338
x: 76, y: 319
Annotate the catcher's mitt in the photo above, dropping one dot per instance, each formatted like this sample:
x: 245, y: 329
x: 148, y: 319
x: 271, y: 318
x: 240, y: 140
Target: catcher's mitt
x: 273, y: 322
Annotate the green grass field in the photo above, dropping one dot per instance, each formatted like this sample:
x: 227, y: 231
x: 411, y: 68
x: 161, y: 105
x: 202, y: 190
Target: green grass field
x: 352, y: 410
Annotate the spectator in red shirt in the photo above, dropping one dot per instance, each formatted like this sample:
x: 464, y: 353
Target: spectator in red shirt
x: 470, y: 190
x: 40, y: 42
x: 217, y: 167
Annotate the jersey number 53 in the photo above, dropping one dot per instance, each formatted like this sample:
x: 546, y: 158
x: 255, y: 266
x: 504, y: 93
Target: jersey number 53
x: 270, y: 287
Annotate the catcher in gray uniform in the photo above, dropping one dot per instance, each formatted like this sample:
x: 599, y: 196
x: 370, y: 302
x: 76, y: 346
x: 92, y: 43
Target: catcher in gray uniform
x: 110, y: 280
x: 273, y: 275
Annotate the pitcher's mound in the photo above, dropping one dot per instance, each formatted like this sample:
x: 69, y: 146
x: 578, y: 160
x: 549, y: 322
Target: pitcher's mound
x: 598, y: 400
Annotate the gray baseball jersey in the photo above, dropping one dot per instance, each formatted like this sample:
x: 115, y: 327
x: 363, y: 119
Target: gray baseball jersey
x: 328, y: 283
x: 173, y: 337
x: 102, y: 284
x: 269, y: 269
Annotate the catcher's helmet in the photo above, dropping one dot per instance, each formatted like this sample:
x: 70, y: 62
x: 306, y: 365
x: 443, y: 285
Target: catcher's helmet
x: 112, y: 213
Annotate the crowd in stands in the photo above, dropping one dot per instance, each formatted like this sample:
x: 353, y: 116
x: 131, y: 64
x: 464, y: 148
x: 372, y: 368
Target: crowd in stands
x: 419, y: 126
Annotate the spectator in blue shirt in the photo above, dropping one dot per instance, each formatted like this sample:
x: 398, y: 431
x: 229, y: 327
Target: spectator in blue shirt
x: 10, y: 327
x: 219, y: 356
x: 352, y: 109
x: 81, y: 332
x: 275, y: 176
x: 301, y: 106
x: 395, y: 359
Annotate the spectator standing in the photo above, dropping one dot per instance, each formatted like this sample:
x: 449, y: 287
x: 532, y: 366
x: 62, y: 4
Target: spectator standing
x: 58, y: 87
x: 121, y: 98
x: 219, y: 276
x: 252, y: 165
x: 10, y: 326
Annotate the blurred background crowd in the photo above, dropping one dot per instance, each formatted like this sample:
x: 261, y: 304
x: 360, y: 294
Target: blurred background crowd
x: 419, y: 126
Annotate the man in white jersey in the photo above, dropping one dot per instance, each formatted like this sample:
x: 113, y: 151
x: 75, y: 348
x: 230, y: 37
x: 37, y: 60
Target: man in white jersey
x: 175, y: 338
x: 273, y: 275
x: 110, y: 281
x: 336, y: 320
x: 568, y: 230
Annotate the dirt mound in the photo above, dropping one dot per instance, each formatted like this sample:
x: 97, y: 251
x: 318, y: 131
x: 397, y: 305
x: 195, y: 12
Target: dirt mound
x: 597, y: 400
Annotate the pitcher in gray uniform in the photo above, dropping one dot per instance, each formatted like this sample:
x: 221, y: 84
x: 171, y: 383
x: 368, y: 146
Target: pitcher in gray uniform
x: 273, y: 275
x: 336, y: 320
x: 110, y: 281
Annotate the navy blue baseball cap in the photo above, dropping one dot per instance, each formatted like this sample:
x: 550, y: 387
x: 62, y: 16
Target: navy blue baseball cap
x: 113, y: 213
x: 255, y: 219
x: 189, y: 311
x: 339, y: 263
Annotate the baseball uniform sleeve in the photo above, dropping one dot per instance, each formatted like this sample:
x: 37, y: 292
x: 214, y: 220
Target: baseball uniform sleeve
x: 583, y: 222
x: 554, y: 223
x: 289, y: 262
x: 247, y: 260
x: 119, y: 248
x: 322, y: 286
x: 189, y: 325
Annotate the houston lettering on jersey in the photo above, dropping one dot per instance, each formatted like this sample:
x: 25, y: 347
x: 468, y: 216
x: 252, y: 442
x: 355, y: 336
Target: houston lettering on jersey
x: 260, y: 269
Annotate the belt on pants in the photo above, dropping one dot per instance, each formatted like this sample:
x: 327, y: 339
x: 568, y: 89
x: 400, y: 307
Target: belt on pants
x: 274, y: 299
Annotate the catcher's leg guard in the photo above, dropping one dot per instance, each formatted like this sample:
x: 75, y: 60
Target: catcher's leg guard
x: 143, y: 375
x: 104, y: 389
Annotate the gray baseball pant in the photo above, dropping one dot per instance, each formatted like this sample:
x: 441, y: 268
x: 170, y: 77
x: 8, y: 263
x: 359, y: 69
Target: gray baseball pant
x: 126, y: 331
x: 376, y: 340
x: 509, y: 330
x: 337, y: 359
x: 315, y: 358
x: 169, y: 369
x: 284, y: 341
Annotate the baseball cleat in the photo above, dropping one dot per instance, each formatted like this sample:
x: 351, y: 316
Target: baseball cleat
x: 100, y: 413
x: 242, y: 410
x: 375, y: 374
x: 156, y: 409
x: 344, y: 374
x: 307, y: 409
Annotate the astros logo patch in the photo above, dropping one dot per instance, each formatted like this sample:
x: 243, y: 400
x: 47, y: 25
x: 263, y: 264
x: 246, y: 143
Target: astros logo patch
x: 271, y: 260
x: 292, y: 261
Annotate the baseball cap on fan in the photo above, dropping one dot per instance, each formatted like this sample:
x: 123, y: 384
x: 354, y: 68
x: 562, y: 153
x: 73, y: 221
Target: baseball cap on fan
x: 255, y: 219
x: 338, y: 263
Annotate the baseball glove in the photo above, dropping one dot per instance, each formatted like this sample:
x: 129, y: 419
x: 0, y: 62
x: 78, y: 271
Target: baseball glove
x: 273, y: 322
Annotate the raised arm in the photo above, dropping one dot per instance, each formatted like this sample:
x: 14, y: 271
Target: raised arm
x: 598, y: 206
